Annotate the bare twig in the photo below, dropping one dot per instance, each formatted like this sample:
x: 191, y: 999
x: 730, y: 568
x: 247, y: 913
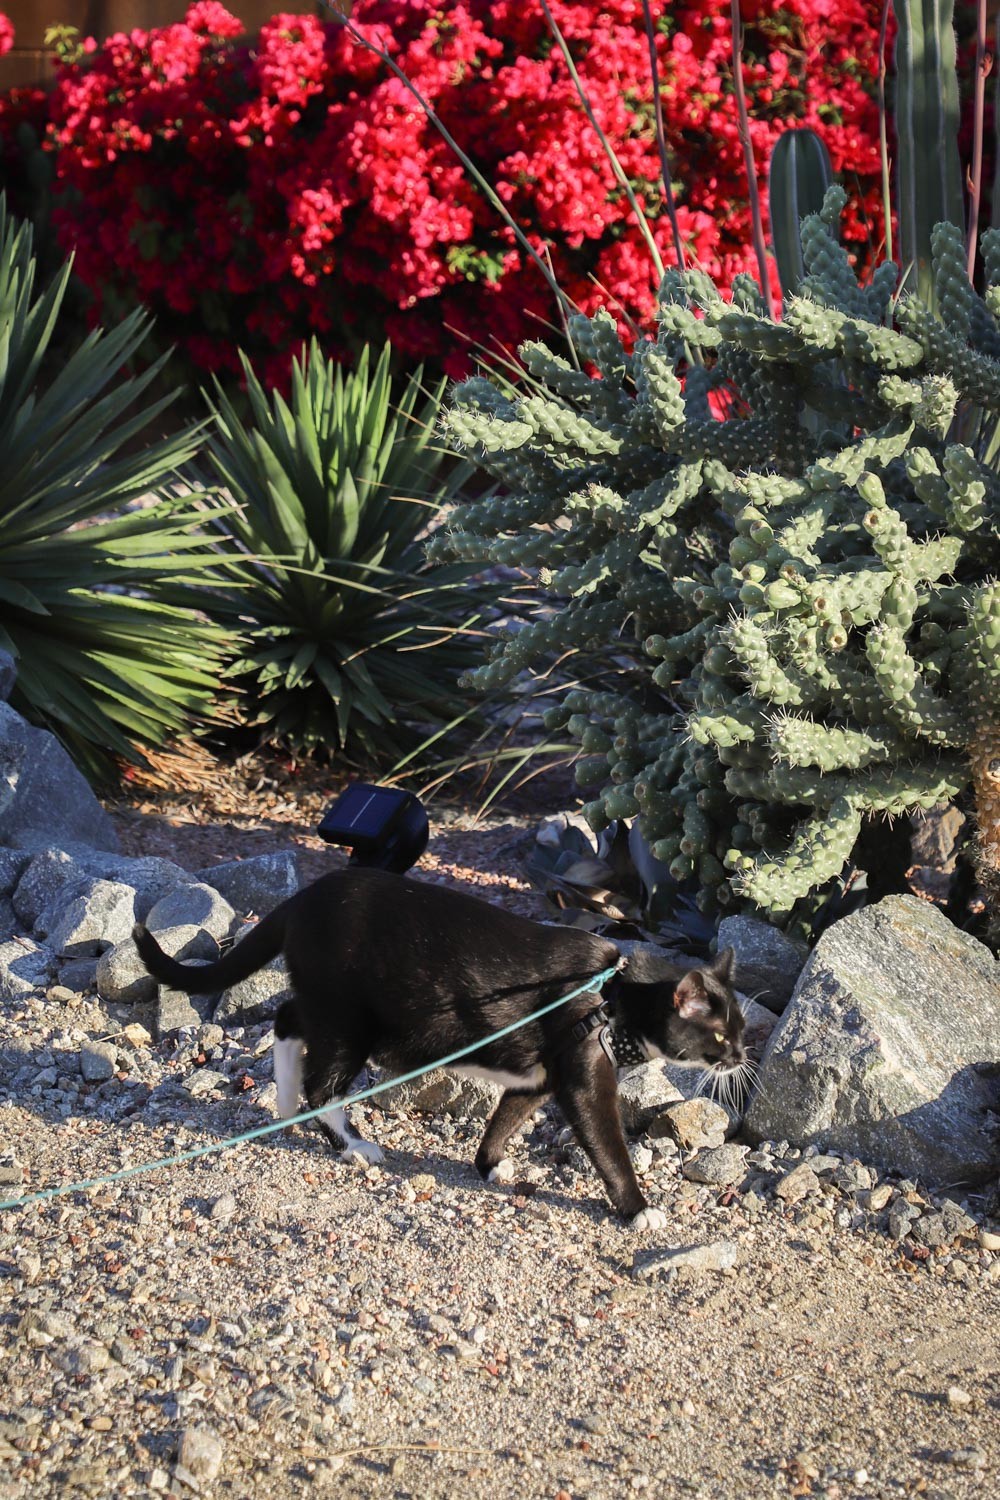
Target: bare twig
x: 756, y: 217
x: 661, y: 138
x: 883, y: 133
x: 477, y: 177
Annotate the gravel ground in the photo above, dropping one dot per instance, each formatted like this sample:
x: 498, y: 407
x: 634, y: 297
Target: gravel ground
x: 268, y: 1315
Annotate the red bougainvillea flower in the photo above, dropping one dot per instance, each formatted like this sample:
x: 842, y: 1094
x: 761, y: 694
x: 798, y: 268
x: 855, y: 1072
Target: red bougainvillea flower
x: 253, y: 191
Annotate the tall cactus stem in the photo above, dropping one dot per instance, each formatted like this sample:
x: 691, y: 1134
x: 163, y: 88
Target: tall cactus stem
x: 928, y: 172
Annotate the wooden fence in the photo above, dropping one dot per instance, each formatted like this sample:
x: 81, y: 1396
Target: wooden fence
x: 28, y: 61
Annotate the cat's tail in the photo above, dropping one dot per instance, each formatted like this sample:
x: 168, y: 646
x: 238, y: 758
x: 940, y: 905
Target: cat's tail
x: 251, y: 953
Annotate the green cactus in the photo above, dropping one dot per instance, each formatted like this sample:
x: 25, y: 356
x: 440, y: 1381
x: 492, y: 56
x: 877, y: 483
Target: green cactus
x: 803, y: 593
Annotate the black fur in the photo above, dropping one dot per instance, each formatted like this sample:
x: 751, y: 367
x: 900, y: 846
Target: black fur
x: 401, y: 972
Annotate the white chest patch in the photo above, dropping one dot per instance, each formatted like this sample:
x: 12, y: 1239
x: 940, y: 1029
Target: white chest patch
x: 534, y: 1078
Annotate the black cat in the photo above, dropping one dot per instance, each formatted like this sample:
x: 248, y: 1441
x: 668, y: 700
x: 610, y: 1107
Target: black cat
x: 400, y: 972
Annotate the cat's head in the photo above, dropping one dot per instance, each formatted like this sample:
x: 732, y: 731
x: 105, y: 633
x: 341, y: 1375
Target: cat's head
x: 693, y: 1017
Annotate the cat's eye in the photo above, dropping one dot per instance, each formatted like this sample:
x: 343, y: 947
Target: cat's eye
x: 719, y: 1037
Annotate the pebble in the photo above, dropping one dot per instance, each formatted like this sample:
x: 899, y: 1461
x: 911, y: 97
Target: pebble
x: 949, y: 1224
x: 205, y: 1081
x: 718, y: 1256
x: 223, y: 1208
x: 851, y: 1177
x: 988, y: 1240
x: 965, y: 1458
x: 717, y: 1165
x: 98, y: 1061
x: 797, y: 1184
x: 876, y: 1198
x: 957, y: 1397
x: 11, y: 1170
x: 199, y: 1453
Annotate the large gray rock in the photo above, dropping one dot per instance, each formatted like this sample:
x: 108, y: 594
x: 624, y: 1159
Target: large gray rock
x: 24, y: 968
x: 12, y: 863
x: 195, y: 905
x: 890, y: 1048
x: 122, y: 976
x: 256, y: 885
x: 41, y: 790
x: 50, y: 868
x: 176, y: 1008
x: 254, y: 999
x: 86, y: 916
x: 768, y: 963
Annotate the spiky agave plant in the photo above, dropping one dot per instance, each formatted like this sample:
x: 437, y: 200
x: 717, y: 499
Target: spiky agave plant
x: 352, y: 639
x: 101, y: 601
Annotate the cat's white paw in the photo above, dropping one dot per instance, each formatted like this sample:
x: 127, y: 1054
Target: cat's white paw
x: 365, y: 1153
x: 649, y: 1218
x: 504, y: 1171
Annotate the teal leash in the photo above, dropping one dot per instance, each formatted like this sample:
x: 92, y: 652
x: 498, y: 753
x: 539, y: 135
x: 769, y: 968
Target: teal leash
x: 309, y: 1114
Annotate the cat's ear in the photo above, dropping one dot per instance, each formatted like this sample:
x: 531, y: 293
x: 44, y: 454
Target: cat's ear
x: 691, y: 1000
x: 724, y: 964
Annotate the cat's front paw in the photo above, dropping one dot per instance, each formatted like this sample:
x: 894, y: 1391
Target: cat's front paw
x: 504, y: 1171
x: 648, y: 1218
x: 363, y: 1153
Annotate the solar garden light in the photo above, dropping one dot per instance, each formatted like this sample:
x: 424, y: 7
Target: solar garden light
x: 385, y: 829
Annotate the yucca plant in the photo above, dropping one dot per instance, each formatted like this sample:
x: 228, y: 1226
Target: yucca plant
x: 353, y: 640
x: 99, y: 596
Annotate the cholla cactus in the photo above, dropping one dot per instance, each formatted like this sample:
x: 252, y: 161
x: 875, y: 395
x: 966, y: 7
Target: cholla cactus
x: 810, y: 582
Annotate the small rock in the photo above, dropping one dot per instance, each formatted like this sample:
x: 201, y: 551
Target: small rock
x: 901, y: 1217
x: 718, y: 1256
x: 79, y: 975
x: 423, y: 1182
x: 596, y: 1426
x: 956, y: 1397
x: 11, y: 1170
x: 200, y: 1453
x: 60, y: 994
x: 988, y: 1240
x: 205, y: 1081
x: 136, y: 1035
x: 797, y: 1183
x: 98, y: 1061
x: 642, y: 1158
x: 876, y: 1198
x: 943, y: 1228
x: 717, y: 1165
x: 965, y: 1458
x: 693, y: 1123
x: 223, y: 1209
x: 852, y: 1177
